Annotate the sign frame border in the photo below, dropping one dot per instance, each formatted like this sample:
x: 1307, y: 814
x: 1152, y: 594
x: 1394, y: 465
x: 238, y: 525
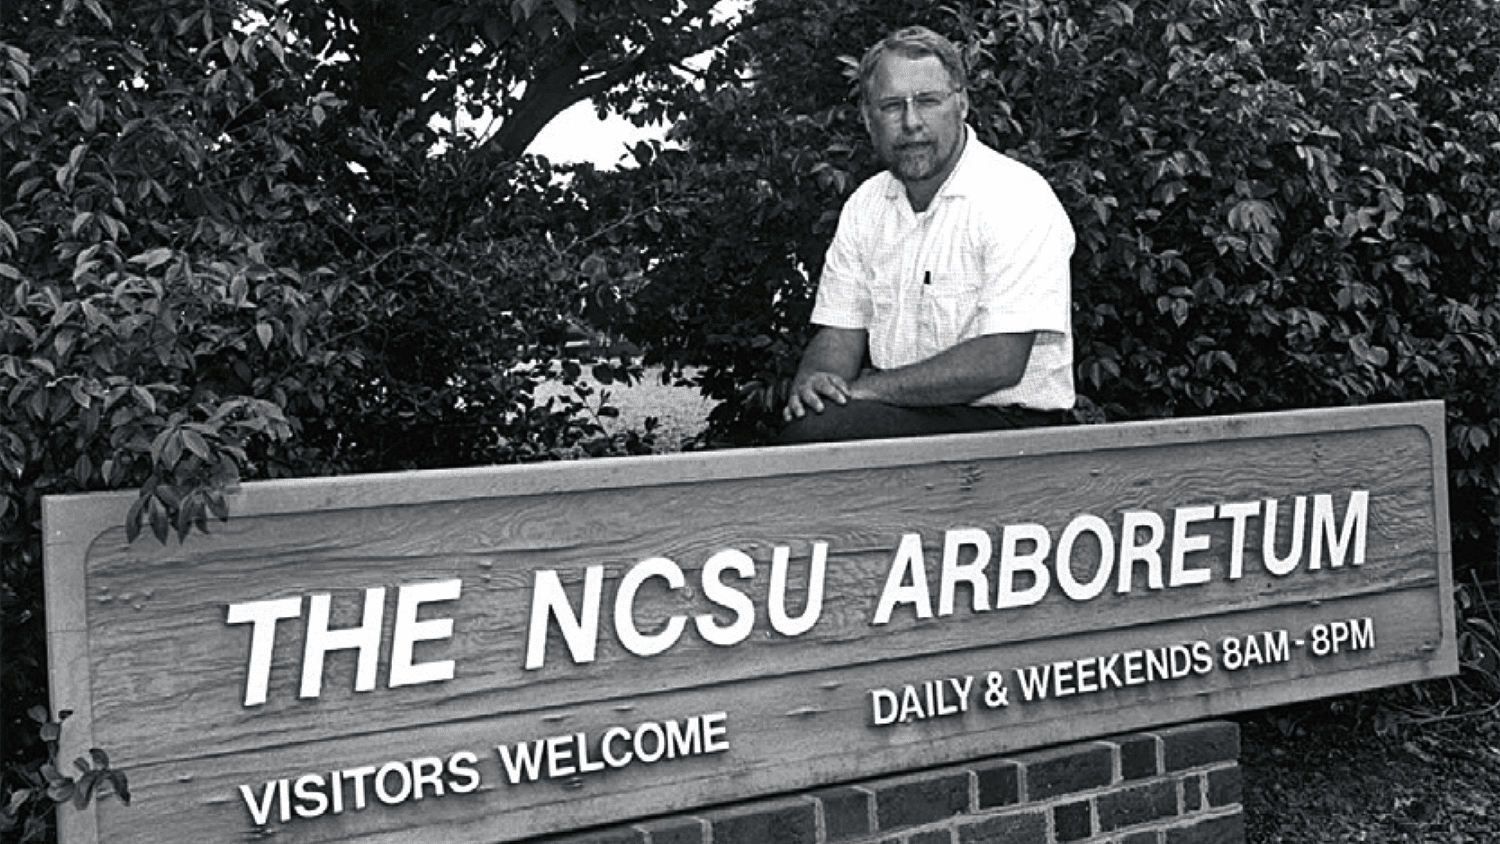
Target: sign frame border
x: 72, y: 523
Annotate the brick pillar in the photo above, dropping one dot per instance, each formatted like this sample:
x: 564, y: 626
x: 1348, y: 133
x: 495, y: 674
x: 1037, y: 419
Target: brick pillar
x: 1175, y: 785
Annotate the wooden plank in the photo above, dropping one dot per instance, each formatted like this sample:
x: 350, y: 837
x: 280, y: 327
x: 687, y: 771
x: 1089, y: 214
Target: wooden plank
x: 145, y: 644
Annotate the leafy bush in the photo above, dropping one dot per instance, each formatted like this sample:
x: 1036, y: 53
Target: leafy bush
x: 197, y: 286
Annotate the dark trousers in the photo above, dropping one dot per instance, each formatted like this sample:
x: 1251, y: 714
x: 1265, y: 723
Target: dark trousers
x: 870, y: 420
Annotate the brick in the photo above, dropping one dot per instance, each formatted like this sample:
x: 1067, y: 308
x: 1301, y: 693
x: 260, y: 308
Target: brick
x: 1225, y: 829
x: 919, y: 800
x: 846, y: 812
x: 932, y: 836
x: 676, y: 831
x: 999, y: 784
x: 1136, y: 805
x: 1014, y: 828
x: 1073, y: 821
x: 1053, y: 773
x: 1148, y: 836
x: 612, y: 835
x: 1192, y: 793
x: 790, y: 821
x: 1194, y: 745
x: 1225, y: 787
x: 1137, y: 757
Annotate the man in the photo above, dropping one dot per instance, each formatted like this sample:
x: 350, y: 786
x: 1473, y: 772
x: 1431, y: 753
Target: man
x: 944, y: 304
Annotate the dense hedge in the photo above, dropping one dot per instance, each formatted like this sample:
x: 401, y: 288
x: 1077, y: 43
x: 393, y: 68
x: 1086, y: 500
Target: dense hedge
x: 200, y: 282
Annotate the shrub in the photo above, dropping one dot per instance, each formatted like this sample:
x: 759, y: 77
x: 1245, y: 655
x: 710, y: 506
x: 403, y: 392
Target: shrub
x: 196, y: 287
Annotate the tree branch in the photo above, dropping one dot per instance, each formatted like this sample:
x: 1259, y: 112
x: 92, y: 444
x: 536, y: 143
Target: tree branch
x: 563, y: 85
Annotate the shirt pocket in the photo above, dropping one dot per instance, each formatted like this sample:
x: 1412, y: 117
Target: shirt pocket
x: 949, y: 311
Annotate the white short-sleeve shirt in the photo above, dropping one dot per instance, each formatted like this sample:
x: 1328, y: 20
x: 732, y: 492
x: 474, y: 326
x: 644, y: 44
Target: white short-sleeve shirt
x: 988, y: 256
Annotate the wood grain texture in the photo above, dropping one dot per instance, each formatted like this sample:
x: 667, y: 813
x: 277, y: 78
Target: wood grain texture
x: 143, y: 652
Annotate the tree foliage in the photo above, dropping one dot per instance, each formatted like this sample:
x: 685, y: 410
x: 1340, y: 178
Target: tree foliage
x: 514, y: 63
x: 200, y: 282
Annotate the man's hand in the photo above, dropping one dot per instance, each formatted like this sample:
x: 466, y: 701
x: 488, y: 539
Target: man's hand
x: 810, y: 391
x: 829, y: 365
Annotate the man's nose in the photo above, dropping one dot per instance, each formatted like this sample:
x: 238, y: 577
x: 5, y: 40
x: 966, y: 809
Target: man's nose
x: 911, y: 116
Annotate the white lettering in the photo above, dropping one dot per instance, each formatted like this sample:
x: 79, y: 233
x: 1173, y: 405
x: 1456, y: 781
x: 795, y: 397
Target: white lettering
x: 1183, y: 544
x: 608, y: 744
x: 632, y: 638
x: 462, y: 765
x: 1013, y: 561
x: 384, y: 794
x: 727, y: 597
x: 651, y: 728
x: 1356, y: 517
x: 320, y: 640
x: 908, y: 565
x: 426, y: 771
x: 780, y: 560
x: 1277, y: 565
x: 409, y: 631
x: 580, y: 631
x: 357, y: 776
x: 972, y: 573
x: 260, y: 810
x: 882, y: 707
x: 1239, y: 512
x: 526, y: 764
x: 716, y: 732
x: 1070, y: 586
x: 311, y: 800
x: 559, y: 756
x: 1149, y: 552
x: 262, y: 616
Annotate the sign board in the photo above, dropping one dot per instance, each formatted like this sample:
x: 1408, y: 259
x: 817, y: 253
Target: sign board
x: 492, y: 654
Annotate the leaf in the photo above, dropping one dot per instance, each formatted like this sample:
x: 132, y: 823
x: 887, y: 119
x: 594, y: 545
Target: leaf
x: 85, y: 789
x: 68, y: 173
x: 161, y: 524
x: 569, y: 11
x: 197, y: 444
x: 50, y: 773
x: 153, y: 258
x: 265, y: 333
x: 134, y: 518
x: 98, y: 12
x: 121, y: 786
x: 61, y: 792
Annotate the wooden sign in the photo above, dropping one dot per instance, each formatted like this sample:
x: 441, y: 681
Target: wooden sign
x: 492, y: 654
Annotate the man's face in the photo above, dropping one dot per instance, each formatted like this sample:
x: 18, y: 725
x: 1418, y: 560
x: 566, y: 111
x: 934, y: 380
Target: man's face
x: 915, y: 118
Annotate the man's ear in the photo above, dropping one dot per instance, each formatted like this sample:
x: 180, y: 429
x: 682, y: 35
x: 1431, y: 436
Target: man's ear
x: 963, y: 104
x: 864, y: 117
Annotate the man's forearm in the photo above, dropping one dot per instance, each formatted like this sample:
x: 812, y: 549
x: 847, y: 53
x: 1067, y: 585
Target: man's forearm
x: 968, y: 371
x: 835, y: 351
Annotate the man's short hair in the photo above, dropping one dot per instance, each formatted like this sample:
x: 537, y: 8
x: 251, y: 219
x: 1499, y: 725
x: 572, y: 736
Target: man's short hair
x: 914, y: 42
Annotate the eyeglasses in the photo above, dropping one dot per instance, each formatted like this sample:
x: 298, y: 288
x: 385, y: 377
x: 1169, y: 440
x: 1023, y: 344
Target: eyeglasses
x: 925, y: 103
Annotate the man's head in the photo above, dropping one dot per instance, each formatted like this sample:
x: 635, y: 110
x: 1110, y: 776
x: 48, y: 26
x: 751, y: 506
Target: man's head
x: 913, y: 85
